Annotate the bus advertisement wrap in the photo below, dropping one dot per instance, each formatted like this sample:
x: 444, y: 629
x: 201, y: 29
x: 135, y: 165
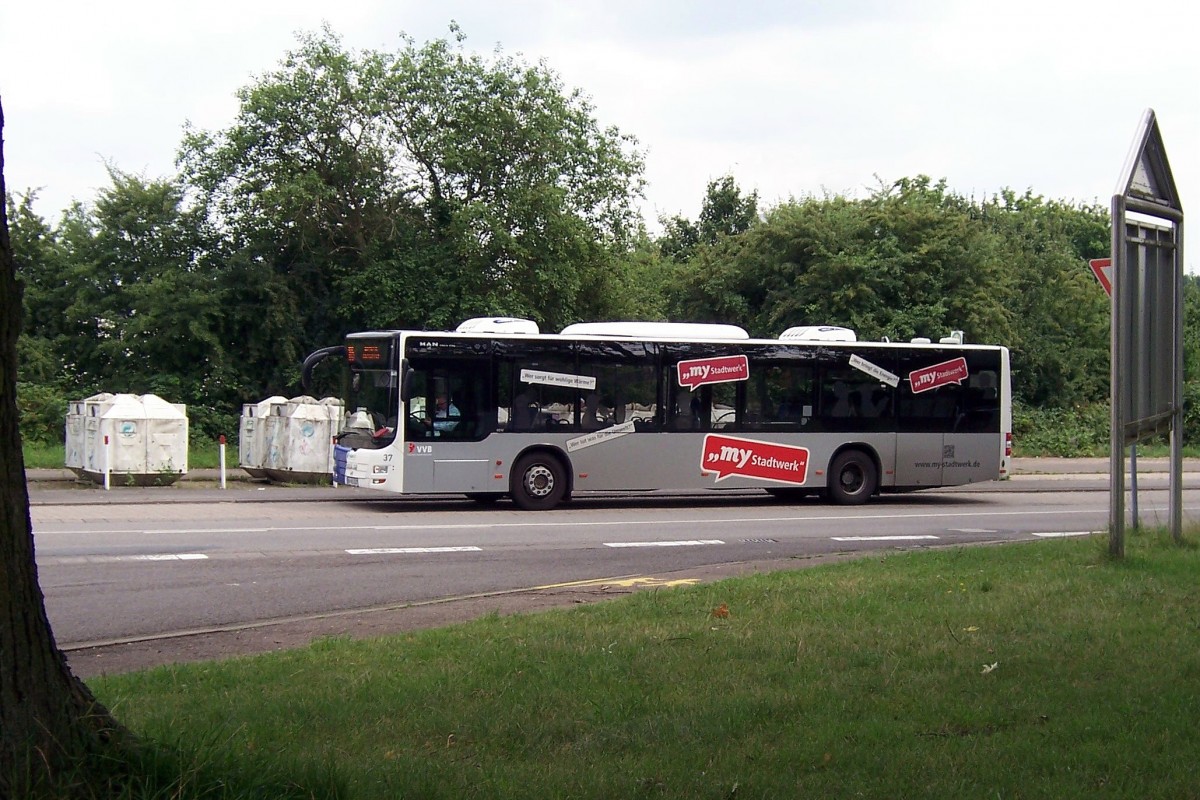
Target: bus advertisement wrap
x: 538, y: 418
x: 749, y: 458
x: 875, y: 371
x: 703, y: 371
x: 953, y: 371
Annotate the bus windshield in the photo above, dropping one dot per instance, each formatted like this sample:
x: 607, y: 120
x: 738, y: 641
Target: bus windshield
x: 373, y: 394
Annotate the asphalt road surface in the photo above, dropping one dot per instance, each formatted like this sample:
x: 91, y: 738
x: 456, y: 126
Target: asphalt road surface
x: 131, y: 583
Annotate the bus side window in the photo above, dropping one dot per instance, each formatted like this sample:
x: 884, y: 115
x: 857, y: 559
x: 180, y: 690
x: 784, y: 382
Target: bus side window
x: 524, y: 411
x: 722, y: 406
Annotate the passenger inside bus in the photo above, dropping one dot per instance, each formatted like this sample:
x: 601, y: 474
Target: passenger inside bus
x: 524, y: 412
x: 591, y: 420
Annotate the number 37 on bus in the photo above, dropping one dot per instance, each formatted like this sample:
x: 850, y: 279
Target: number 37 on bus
x: 496, y: 409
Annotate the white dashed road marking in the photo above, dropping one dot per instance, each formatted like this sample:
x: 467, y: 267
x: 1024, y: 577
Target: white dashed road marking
x: 684, y: 543
x: 880, y: 538
x: 387, y: 551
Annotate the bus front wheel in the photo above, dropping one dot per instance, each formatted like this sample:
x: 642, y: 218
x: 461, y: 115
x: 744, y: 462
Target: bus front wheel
x: 539, y: 482
x: 852, y: 478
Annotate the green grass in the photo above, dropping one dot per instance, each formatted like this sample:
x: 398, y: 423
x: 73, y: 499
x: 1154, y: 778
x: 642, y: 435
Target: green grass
x: 1031, y: 670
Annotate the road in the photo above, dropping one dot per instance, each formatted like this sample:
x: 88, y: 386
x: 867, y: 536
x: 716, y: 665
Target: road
x: 129, y: 574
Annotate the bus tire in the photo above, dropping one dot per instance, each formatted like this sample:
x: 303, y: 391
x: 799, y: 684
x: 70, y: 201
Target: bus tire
x: 852, y: 478
x: 539, y: 482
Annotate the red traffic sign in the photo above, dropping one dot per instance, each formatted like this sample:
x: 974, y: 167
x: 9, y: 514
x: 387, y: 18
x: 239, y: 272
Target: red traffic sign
x: 1102, y: 269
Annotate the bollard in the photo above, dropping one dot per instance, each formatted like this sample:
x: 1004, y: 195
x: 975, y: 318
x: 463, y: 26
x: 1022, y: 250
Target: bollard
x: 221, y: 451
x: 107, y: 464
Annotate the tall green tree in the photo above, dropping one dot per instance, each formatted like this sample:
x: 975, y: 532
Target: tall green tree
x: 1061, y: 341
x: 725, y: 211
x: 122, y: 297
x: 906, y: 261
x: 302, y: 193
x: 513, y: 175
x: 409, y: 188
x: 38, y: 259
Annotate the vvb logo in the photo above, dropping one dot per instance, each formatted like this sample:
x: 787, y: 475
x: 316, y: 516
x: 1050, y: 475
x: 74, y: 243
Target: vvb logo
x: 415, y: 449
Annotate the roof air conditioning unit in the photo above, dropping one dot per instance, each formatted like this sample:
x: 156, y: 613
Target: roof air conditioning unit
x: 818, y: 333
x: 498, y: 325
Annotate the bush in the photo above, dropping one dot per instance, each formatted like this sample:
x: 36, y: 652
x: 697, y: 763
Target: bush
x: 1084, y: 429
x: 1079, y: 431
x: 43, y: 413
x: 205, y: 424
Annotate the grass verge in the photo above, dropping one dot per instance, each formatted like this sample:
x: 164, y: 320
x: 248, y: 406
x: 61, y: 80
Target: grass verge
x: 205, y: 455
x: 1031, y: 670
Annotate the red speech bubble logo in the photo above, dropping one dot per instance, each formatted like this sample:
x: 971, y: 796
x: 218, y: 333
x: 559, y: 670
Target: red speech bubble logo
x: 954, y: 371
x: 748, y: 458
x: 722, y: 369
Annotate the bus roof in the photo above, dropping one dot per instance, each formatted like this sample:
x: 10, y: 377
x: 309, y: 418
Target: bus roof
x: 686, y: 331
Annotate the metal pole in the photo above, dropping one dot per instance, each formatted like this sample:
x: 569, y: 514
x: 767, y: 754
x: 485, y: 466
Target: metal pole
x: 1135, y: 520
x: 1116, y: 467
x: 1176, y: 485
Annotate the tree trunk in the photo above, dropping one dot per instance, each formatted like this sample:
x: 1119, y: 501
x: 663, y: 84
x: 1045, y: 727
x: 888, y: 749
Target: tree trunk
x: 49, y: 722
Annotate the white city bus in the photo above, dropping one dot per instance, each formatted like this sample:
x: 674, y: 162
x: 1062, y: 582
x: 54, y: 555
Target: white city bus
x: 645, y: 406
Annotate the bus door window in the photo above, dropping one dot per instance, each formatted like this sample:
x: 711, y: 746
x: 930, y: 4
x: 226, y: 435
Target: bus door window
x: 373, y: 401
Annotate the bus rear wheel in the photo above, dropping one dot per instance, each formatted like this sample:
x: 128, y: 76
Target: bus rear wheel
x: 852, y: 478
x: 539, y: 482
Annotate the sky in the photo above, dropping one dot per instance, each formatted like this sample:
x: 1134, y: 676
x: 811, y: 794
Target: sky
x: 793, y: 98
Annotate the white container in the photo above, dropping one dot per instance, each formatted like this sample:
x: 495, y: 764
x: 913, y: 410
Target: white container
x: 298, y: 438
x: 138, y: 439
x: 78, y: 412
x: 252, y: 435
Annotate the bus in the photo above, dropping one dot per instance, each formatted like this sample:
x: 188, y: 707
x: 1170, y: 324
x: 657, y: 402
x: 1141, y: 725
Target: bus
x: 498, y: 409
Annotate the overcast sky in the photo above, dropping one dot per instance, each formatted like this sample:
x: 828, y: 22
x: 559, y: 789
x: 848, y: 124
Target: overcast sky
x: 791, y: 97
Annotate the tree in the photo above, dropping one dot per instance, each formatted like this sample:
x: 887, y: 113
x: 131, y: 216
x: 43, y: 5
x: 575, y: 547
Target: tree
x: 1060, y: 347
x: 724, y: 212
x: 532, y: 198
x: 407, y: 189
x: 48, y: 719
x: 909, y: 260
